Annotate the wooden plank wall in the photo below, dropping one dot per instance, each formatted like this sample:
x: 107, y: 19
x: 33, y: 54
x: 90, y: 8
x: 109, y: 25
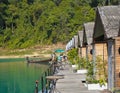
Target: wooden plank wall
x: 117, y: 63
x: 83, y: 51
x: 101, y: 60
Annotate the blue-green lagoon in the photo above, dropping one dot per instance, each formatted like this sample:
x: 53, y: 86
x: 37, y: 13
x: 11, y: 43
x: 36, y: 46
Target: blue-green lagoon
x: 17, y: 76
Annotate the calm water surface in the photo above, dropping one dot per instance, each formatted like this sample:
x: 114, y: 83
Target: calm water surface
x: 16, y: 76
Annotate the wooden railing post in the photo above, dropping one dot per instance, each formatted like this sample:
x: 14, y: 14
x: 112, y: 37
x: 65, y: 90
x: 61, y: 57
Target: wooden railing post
x: 46, y: 84
x: 36, y: 86
x: 42, y: 83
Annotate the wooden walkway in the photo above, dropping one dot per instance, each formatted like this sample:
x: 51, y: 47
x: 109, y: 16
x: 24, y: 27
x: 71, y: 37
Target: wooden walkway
x: 72, y: 82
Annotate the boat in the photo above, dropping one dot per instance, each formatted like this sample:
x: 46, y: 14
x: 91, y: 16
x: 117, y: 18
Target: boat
x: 38, y: 61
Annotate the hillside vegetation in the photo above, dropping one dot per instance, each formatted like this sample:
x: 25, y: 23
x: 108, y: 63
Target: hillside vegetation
x: 26, y: 23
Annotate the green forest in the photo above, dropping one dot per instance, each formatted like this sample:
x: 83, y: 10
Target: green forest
x: 25, y: 23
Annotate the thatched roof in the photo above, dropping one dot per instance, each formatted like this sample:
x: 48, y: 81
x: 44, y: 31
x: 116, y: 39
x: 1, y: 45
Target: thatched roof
x: 88, y: 33
x: 107, y: 22
x: 80, y: 37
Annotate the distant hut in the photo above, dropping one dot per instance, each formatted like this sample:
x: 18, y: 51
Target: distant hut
x: 82, y: 50
x: 107, y: 29
x: 72, y: 43
x: 68, y: 46
x: 88, y: 38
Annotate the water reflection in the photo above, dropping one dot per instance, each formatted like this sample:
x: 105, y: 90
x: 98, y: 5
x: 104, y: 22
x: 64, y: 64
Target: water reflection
x: 19, y: 77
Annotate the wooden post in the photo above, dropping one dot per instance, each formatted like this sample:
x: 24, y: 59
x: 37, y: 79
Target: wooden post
x: 42, y: 81
x: 94, y: 59
x: 36, y: 86
x: 46, y: 85
x: 110, y: 65
x: 76, y: 41
x: 80, y: 51
x: 87, y: 52
x: 48, y: 71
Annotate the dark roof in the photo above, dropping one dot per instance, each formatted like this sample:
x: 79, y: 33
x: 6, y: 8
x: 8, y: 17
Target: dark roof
x: 88, y: 33
x: 107, y: 22
x: 80, y: 37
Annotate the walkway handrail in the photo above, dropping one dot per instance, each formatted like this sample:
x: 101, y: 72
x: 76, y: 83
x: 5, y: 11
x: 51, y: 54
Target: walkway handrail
x: 45, y: 85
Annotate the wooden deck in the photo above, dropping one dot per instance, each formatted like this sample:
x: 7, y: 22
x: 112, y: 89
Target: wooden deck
x: 72, y: 82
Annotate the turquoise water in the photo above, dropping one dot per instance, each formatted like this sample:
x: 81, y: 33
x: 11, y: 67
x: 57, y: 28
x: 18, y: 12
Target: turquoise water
x: 16, y: 76
x: 12, y: 59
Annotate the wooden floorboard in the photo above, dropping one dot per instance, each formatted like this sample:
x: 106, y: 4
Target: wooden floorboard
x: 72, y: 82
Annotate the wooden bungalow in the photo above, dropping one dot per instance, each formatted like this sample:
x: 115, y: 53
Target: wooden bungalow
x: 88, y: 38
x: 107, y: 29
x: 82, y: 50
x: 68, y: 46
x: 72, y: 43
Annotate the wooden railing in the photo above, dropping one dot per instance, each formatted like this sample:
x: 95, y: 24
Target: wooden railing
x: 45, y: 85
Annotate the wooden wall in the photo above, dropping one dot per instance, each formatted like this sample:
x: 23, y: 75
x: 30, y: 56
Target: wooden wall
x: 101, y: 50
x: 89, y: 55
x: 83, y: 49
x: 117, y: 63
x: 114, y: 64
x: 101, y: 60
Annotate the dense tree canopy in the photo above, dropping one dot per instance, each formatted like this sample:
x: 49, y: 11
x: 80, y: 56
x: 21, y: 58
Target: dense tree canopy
x: 24, y: 23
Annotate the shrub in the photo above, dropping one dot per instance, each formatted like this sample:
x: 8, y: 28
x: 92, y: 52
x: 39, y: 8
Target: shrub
x: 73, y: 55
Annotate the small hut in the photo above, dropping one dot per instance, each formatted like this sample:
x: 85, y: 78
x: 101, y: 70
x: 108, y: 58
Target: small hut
x: 106, y: 29
x: 88, y: 38
x: 68, y: 46
x: 82, y: 50
x: 73, y: 43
